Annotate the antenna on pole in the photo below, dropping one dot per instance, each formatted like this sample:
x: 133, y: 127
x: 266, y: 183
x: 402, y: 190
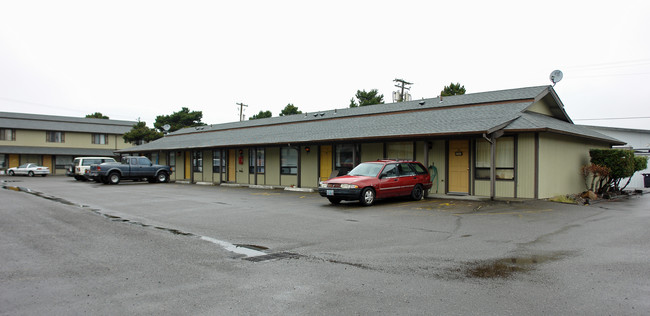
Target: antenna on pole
x: 400, y: 96
x: 241, y: 111
x: 556, y: 76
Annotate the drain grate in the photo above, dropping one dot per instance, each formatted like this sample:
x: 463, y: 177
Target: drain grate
x: 274, y: 256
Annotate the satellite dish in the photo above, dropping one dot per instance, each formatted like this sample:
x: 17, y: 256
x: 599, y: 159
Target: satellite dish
x: 166, y: 127
x: 556, y: 76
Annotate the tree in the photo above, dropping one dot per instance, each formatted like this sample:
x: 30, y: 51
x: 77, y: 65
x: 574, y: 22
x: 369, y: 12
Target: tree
x: 367, y: 98
x: 289, y: 110
x: 621, y: 164
x: 140, y: 133
x: 97, y: 115
x: 453, y: 89
x: 262, y: 114
x: 177, y: 120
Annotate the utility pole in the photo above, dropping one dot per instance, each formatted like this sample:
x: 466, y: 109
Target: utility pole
x: 400, y: 96
x: 241, y: 111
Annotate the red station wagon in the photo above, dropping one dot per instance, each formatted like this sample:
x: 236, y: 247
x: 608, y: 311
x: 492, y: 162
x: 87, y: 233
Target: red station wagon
x: 378, y: 180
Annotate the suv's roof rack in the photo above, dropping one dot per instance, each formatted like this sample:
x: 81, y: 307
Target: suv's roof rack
x: 393, y: 159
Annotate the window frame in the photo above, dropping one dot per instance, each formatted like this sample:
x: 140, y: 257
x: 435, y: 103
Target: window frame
x: 197, y: 161
x: 253, y: 154
x: 286, y: 168
x: 5, y: 131
x: 483, y: 172
x: 96, y: 139
x: 50, y: 139
x: 216, y: 157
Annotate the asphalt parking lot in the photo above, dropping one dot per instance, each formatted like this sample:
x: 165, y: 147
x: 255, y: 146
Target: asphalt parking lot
x: 145, y: 248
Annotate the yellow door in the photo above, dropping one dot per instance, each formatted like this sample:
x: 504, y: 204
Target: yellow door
x: 47, y: 162
x: 232, y: 165
x: 325, y: 162
x: 188, y: 165
x: 459, y: 166
x: 14, y: 161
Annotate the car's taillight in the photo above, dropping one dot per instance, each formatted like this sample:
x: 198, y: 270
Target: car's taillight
x: 99, y: 168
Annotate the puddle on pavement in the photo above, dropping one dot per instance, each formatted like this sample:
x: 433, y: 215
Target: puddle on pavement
x: 506, y: 267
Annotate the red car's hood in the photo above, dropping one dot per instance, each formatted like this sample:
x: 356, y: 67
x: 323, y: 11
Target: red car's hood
x: 349, y: 179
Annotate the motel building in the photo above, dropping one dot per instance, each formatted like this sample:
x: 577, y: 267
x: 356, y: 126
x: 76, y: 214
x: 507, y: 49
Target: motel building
x: 517, y: 143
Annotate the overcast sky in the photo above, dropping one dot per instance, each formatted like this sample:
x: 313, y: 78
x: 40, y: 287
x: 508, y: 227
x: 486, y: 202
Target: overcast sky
x: 140, y: 59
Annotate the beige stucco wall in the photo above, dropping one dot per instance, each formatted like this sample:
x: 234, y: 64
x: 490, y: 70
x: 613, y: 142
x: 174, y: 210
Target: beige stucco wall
x: 526, y: 165
x: 309, y: 167
x: 540, y: 107
x: 399, y: 150
x: 272, y: 167
x: 560, y: 160
x: 502, y: 188
x: 72, y: 140
x: 372, y: 151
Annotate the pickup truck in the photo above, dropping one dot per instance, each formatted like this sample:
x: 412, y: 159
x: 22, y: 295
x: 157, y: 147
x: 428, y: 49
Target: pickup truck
x: 131, y: 168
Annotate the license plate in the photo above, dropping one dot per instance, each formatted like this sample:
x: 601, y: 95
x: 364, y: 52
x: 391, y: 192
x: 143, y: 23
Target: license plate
x: 330, y: 192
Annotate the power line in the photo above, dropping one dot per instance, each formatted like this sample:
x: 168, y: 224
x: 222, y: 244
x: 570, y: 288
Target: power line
x: 614, y: 118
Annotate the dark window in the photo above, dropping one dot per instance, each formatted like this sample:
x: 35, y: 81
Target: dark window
x: 216, y: 161
x: 390, y: 171
x: 419, y: 169
x: 288, y: 160
x: 197, y: 161
x: 101, y: 139
x: 7, y: 134
x: 256, y: 155
x: 171, y: 160
x: 405, y: 169
x: 345, y: 158
x: 55, y: 137
x: 505, y: 159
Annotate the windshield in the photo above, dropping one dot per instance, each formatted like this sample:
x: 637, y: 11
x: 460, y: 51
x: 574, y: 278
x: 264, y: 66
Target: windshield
x: 366, y: 169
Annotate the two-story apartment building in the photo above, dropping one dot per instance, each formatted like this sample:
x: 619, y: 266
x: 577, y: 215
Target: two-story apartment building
x: 54, y: 141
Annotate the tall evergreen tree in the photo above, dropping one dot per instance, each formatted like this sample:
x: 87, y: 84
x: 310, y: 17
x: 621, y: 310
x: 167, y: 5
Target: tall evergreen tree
x: 262, y: 114
x: 453, y: 89
x: 290, y: 109
x: 181, y: 119
x: 97, y: 115
x: 367, y: 98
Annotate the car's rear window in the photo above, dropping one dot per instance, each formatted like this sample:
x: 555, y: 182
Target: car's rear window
x: 419, y: 169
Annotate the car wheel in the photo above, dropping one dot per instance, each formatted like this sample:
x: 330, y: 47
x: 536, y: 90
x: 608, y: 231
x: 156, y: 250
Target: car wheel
x: 31, y: 173
x: 334, y: 201
x: 367, y: 197
x: 114, y: 178
x: 11, y: 172
x: 162, y: 177
x: 417, y: 193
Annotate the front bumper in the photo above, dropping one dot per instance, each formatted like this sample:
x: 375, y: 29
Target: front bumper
x: 338, y: 193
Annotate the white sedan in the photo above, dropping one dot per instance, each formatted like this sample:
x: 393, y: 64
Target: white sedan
x: 29, y: 169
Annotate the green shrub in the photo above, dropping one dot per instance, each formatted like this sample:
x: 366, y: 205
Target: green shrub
x: 621, y: 164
